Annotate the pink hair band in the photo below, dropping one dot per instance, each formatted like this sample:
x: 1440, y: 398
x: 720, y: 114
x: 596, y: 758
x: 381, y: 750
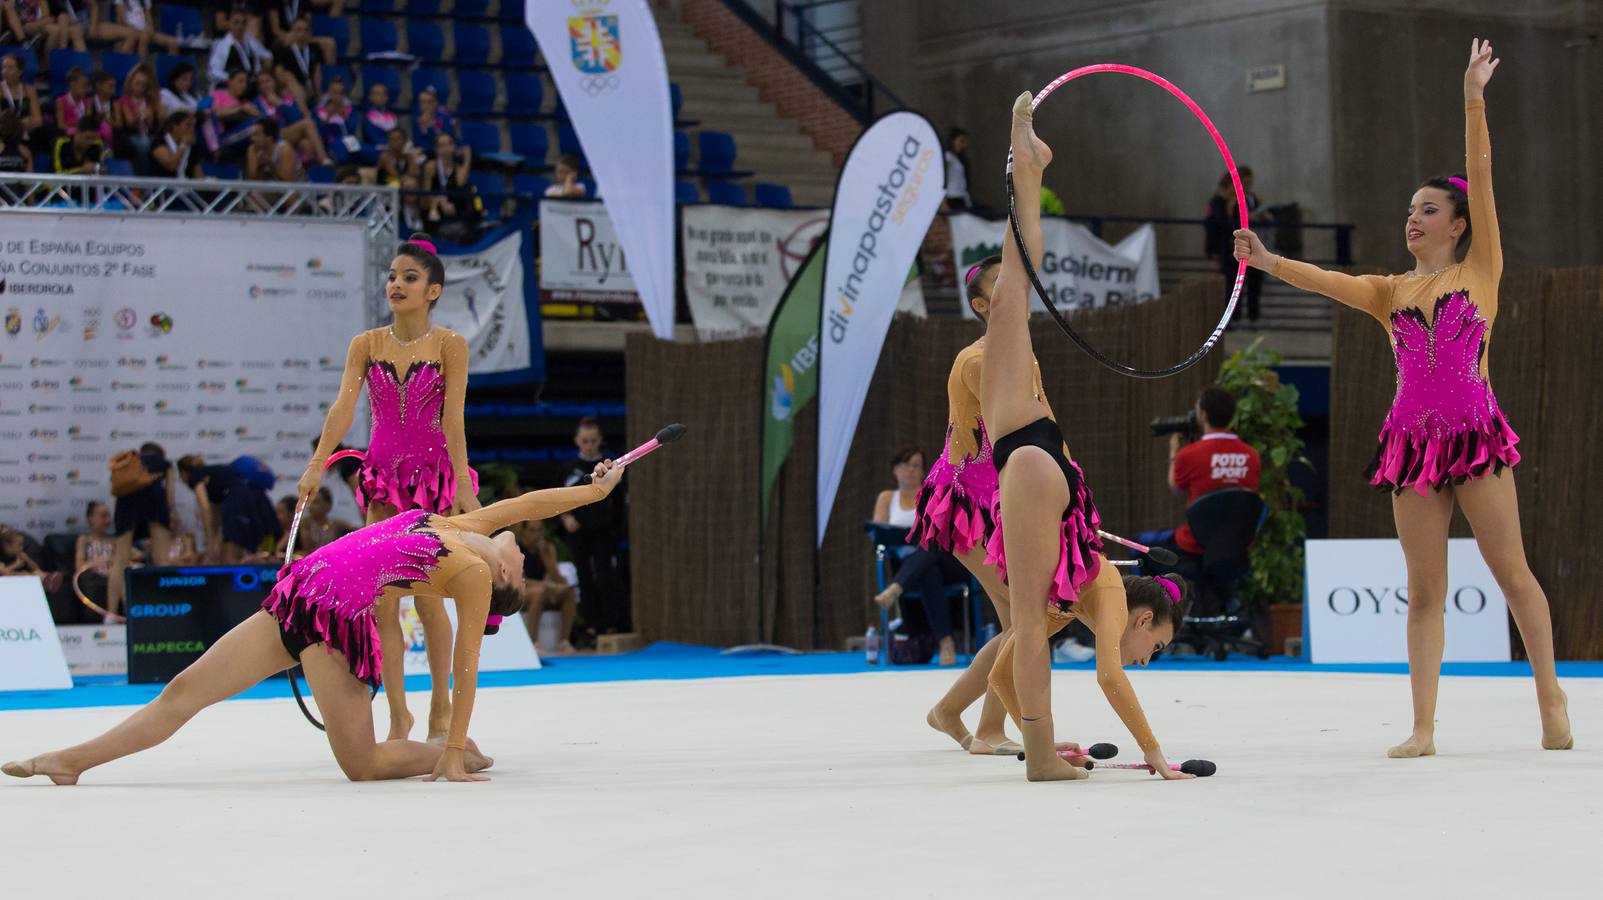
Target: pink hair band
x: 1171, y: 587
x: 972, y: 270
x: 1461, y: 184
x: 426, y: 245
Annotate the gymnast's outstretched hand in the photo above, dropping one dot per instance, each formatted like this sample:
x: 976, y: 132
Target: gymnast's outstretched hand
x: 1251, y: 249
x: 465, y: 500
x: 1160, y: 766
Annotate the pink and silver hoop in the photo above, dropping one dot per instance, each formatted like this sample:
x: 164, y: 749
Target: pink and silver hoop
x: 1241, y: 206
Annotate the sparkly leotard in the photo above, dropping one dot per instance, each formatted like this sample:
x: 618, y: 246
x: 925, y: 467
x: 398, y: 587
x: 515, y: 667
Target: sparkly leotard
x: 1444, y: 426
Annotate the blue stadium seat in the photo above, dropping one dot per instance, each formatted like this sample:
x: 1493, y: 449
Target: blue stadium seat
x: 63, y: 61
x: 483, y: 137
x: 471, y: 9
x: 344, y: 72
x: 321, y: 174
x: 676, y: 98
x: 472, y: 43
x: 336, y: 27
x: 378, y: 7
x: 30, y: 62
x: 773, y: 196
x: 491, y: 188
x: 384, y: 75
x: 180, y: 21
x: 42, y: 163
x: 378, y: 36
x: 686, y: 192
x: 681, y: 151
x: 590, y: 189
x: 434, y: 78
x: 120, y: 168
x: 517, y: 47
x: 717, y: 152
x: 511, y: 11
x: 424, y: 38
x: 221, y: 171
x: 165, y: 65
x: 727, y: 193
x: 530, y: 185
x: 568, y: 141
x: 531, y: 141
x: 475, y: 91
x: 525, y: 94
x: 422, y: 7
x: 119, y: 65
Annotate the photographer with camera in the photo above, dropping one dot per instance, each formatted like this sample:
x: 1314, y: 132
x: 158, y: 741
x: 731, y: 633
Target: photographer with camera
x: 1214, y: 458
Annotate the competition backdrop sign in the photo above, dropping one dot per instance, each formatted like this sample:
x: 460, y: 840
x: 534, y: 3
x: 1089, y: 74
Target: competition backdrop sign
x: 483, y: 301
x: 581, y: 258
x: 31, y: 658
x: 885, y: 199
x: 606, y: 60
x: 1357, y: 604
x: 1080, y: 269
x: 203, y: 335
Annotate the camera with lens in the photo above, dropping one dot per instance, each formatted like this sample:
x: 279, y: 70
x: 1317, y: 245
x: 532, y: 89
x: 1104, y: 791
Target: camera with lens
x: 1185, y: 425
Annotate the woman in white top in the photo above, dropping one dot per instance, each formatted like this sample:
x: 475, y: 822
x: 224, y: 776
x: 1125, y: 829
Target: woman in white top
x: 957, y: 170
x: 179, y: 94
x: 136, y: 16
x: 925, y: 572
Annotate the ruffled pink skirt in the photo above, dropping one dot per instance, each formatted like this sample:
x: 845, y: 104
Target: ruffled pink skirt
x: 954, y: 511
x: 1428, y: 459
x: 417, y: 480
x: 1080, y: 553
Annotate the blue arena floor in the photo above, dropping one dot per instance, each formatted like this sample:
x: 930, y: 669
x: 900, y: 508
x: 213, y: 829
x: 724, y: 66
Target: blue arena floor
x: 666, y: 661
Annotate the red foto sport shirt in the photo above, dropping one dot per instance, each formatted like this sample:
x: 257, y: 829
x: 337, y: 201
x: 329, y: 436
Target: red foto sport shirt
x: 1218, y: 460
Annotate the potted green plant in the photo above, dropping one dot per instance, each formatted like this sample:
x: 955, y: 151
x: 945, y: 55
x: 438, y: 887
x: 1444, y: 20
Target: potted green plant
x: 1267, y: 418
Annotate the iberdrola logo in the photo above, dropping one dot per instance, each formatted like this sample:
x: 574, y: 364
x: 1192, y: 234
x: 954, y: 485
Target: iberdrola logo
x: 784, y: 390
x: 75, y: 381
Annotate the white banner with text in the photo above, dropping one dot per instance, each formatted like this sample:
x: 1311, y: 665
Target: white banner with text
x: 581, y: 259
x: 30, y: 653
x: 1077, y: 268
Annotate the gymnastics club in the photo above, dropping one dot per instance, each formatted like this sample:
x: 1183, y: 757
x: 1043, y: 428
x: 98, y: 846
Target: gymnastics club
x: 1095, y: 751
x: 667, y: 435
x: 1158, y: 555
x: 1201, y: 768
x: 295, y: 524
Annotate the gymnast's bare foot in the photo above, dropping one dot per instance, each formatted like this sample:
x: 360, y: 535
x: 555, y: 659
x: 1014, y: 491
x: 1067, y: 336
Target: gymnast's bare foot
x: 949, y: 724
x: 1556, y: 725
x: 1417, y: 745
x: 1041, y: 761
x: 49, y: 765
x: 400, y: 725
x: 994, y: 745
x: 1029, y: 151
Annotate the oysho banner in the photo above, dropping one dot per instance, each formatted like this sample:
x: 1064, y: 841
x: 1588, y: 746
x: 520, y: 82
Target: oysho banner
x: 885, y: 199
x: 483, y: 301
x: 1079, y: 269
x: 203, y: 335
x: 605, y: 57
x: 581, y: 258
x: 1357, y: 604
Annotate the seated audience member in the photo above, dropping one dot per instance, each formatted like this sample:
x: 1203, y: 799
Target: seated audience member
x: 14, y: 559
x: 172, y: 156
x: 138, y: 116
x: 337, y: 120
x: 32, y: 20
x: 237, y: 49
x: 1218, y: 459
x: 81, y: 153
x: 414, y: 205
x: 397, y: 161
x: 431, y: 120
x: 18, y: 97
x: 317, y: 527
x: 223, y: 13
x: 71, y: 106
x: 103, y: 100
x: 139, y: 16
x: 298, y: 61
x: 270, y: 157
x: 125, y: 37
x: 179, y: 94
x: 544, y: 588
x: 95, y: 547
x: 375, y: 123
x: 926, y: 571
x: 295, y: 122
x: 445, y: 178
x: 232, y: 120
x: 14, y: 153
x: 567, y: 183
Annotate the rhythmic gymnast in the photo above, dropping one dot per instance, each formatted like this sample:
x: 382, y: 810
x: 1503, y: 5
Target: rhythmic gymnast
x: 417, y: 377
x: 1045, y: 545
x: 321, y: 614
x: 953, y: 513
x: 1445, y: 439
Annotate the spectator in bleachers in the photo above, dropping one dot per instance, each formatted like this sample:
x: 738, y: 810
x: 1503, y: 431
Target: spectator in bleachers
x: 58, y: 29
x: 14, y: 558
x: 431, y: 119
x: 453, y: 205
x: 103, y: 100
x: 228, y: 127
x: 270, y: 157
x: 15, y: 156
x: 317, y: 528
x: 1219, y: 224
x: 97, y: 546
x: 74, y: 103
x: 137, y: 117
x: 139, y: 16
x: 593, y: 534
x: 236, y: 49
x: 337, y: 119
x: 251, y: 10
x: 298, y: 66
x: 397, y: 161
x: 414, y: 211
x: 926, y: 571
x: 19, y: 97
x: 544, y: 588
x: 172, y: 156
x: 375, y: 123
x: 283, y: 20
x: 179, y: 94
x: 957, y: 170
x: 86, y: 16
x: 294, y: 120
x: 567, y: 183
x: 82, y: 152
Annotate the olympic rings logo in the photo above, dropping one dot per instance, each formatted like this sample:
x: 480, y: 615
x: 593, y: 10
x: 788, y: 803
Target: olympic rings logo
x: 596, y: 85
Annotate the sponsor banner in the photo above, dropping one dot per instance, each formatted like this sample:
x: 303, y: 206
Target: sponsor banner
x: 606, y: 60
x: 1357, y: 604
x: 30, y: 652
x: 483, y: 302
x: 95, y: 649
x: 790, y: 368
x: 219, y: 337
x: 738, y: 262
x: 174, y: 614
x: 580, y: 256
x: 885, y: 199
x: 1079, y: 269
x: 507, y: 650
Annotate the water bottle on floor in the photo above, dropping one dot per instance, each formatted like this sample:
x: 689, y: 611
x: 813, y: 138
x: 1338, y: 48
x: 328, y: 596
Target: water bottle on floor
x: 871, y: 645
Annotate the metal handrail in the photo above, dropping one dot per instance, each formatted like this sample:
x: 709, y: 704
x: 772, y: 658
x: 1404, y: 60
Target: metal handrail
x: 806, y: 30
